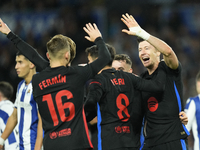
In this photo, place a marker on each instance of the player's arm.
(27, 50)
(94, 35)
(169, 56)
(10, 125)
(39, 139)
(153, 85)
(93, 121)
(94, 96)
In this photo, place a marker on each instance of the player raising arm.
(163, 128)
(59, 89)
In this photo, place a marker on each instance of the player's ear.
(130, 70)
(47, 54)
(67, 55)
(32, 65)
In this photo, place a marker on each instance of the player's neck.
(105, 68)
(2, 99)
(28, 78)
(58, 63)
(152, 68)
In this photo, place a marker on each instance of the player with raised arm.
(163, 128)
(115, 97)
(28, 51)
(59, 90)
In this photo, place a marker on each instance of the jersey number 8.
(122, 108)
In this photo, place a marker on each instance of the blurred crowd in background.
(177, 22)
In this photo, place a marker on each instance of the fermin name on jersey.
(52, 81)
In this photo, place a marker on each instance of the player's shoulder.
(107, 74)
(37, 75)
(144, 74)
(102, 77)
(195, 98)
(20, 83)
(98, 78)
(6, 105)
(48, 71)
(162, 65)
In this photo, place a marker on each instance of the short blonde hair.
(60, 44)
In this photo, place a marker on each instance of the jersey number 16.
(60, 106)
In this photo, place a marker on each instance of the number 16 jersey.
(59, 93)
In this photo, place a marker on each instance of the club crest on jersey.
(53, 135)
(152, 104)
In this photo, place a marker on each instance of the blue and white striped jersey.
(6, 109)
(27, 113)
(192, 110)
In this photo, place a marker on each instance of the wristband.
(1, 141)
(140, 32)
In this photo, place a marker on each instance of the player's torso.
(162, 109)
(6, 109)
(59, 94)
(196, 121)
(27, 116)
(119, 106)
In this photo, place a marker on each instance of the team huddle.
(102, 105)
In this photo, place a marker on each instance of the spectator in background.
(6, 109)
(192, 110)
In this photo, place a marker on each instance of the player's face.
(22, 66)
(148, 54)
(121, 65)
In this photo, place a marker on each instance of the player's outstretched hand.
(92, 31)
(4, 28)
(183, 117)
(130, 22)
